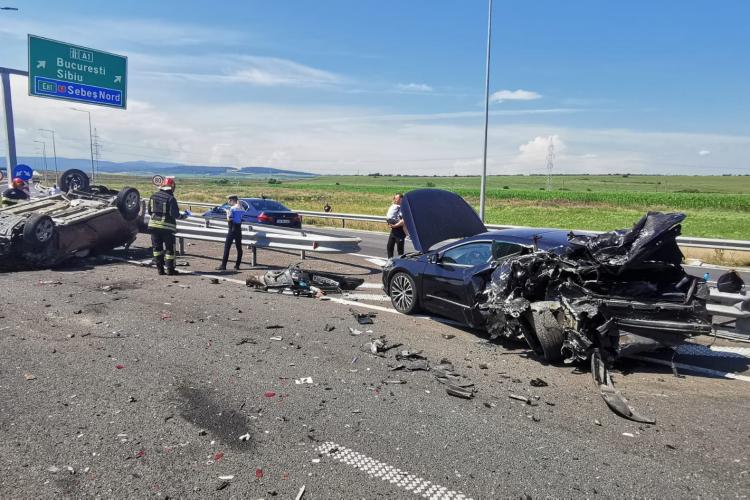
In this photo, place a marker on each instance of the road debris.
(29, 376)
(519, 398)
(269, 394)
(303, 282)
(277, 339)
(226, 478)
(246, 340)
(222, 485)
(363, 318)
(448, 336)
(274, 327)
(301, 493)
(329, 328)
(245, 437)
(538, 382)
(459, 392)
(304, 380)
(354, 331)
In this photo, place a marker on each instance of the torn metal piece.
(612, 396)
(363, 318)
(459, 392)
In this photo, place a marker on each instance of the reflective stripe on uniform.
(170, 256)
(158, 254)
(160, 224)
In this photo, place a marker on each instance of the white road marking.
(378, 262)
(384, 472)
(693, 368)
(367, 296)
(371, 285)
(745, 352)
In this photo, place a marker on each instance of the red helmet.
(18, 182)
(168, 184)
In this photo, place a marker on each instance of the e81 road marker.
(60, 70)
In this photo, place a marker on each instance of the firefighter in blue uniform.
(164, 212)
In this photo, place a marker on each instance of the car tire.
(128, 202)
(73, 179)
(549, 333)
(403, 292)
(39, 231)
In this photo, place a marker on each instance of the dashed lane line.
(397, 477)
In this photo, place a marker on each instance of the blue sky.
(397, 86)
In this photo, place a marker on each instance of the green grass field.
(717, 206)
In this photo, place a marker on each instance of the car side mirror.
(434, 258)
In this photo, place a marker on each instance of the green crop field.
(717, 206)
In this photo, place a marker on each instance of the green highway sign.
(60, 70)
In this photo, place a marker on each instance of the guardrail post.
(302, 254)
(181, 243)
(207, 223)
(253, 256)
(343, 222)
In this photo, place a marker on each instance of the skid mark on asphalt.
(397, 477)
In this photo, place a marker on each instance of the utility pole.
(97, 149)
(550, 161)
(483, 188)
(44, 155)
(54, 150)
(91, 141)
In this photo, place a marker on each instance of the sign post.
(60, 70)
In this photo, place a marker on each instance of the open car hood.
(435, 215)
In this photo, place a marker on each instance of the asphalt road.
(115, 382)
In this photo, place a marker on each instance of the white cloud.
(514, 95)
(704, 152)
(414, 87)
(535, 151)
(252, 70)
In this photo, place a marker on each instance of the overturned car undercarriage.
(599, 298)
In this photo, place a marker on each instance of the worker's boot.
(159, 260)
(171, 271)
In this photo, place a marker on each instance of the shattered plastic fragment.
(304, 380)
(459, 392)
(537, 382)
(119, 366)
(258, 473)
(269, 394)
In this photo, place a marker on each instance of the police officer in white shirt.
(234, 232)
(396, 223)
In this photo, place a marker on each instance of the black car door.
(444, 281)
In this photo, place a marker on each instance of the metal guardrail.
(685, 241)
(272, 238)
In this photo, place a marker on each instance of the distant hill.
(153, 168)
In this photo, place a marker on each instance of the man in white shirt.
(396, 223)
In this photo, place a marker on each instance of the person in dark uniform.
(15, 193)
(234, 233)
(164, 212)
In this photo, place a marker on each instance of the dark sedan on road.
(567, 295)
(260, 211)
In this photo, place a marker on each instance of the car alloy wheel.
(44, 230)
(403, 293)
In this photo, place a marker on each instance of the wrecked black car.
(570, 296)
(47, 231)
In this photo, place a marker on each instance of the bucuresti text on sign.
(61, 70)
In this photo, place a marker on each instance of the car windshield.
(268, 205)
(471, 254)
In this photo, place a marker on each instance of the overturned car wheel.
(38, 231)
(129, 203)
(549, 335)
(403, 292)
(74, 179)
